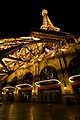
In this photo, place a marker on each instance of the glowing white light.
(20, 85)
(18, 88)
(46, 49)
(8, 87)
(65, 88)
(1, 42)
(32, 91)
(72, 77)
(43, 81)
(39, 59)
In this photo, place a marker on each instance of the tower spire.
(47, 24)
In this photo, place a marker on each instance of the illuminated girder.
(47, 24)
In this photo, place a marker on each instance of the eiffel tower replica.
(47, 24)
(48, 31)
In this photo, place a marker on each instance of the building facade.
(43, 67)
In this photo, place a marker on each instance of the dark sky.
(17, 18)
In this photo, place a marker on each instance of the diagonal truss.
(26, 50)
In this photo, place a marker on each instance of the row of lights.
(17, 86)
(37, 83)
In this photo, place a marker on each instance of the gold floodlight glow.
(1, 42)
(34, 38)
(50, 80)
(26, 37)
(70, 78)
(7, 59)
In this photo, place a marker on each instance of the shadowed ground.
(38, 111)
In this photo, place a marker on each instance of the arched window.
(74, 66)
(27, 78)
(48, 72)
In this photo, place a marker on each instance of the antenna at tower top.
(47, 24)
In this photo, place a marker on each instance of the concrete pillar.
(4, 95)
(67, 92)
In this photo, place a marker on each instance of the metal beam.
(18, 59)
(11, 50)
(4, 65)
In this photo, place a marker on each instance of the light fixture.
(72, 77)
(65, 87)
(43, 81)
(21, 85)
(8, 87)
(39, 59)
(32, 91)
(14, 92)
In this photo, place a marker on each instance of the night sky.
(18, 18)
